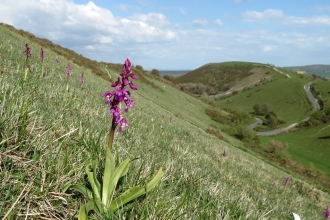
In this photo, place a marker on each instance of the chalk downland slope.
(48, 136)
(227, 77)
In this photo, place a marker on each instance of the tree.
(256, 109)
(139, 67)
(155, 72)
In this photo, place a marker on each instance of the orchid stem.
(112, 134)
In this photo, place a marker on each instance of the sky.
(180, 34)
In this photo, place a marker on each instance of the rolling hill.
(48, 134)
(224, 78)
(317, 69)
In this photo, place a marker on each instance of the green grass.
(285, 96)
(309, 147)
(49, 135)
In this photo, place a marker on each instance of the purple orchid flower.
(286, 181)
(27, 51)
(42, 54)
(82, 78)
(68, 70)
(119, 95)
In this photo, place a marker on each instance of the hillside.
(49, 134)
(286, 98)
(173, 72)
(317, 69)
(224, 78)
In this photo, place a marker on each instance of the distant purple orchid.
(68, 70)
(28, 54)
(171, 119)
(82, 78)
(57, 61)
(27, 51)
(326, 213)
(224, 154)
(118, 95)
(67, 74)
(286, 181)
(42, 54)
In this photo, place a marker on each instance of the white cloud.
(262, 17)
(90, 47)
(183, 11)
(154, 19)
(200, 22)
(60, 19)
(321, 8)
(104, 39)
(218, 22)
(268, 48)
(277, 17)
(317, 20)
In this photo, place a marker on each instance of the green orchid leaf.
(115, 177)
(108, 171)
(136, 191)
(90, 205)
(96, 186)
(66, 187)
(97, 183)
(125, 171)
(80, 188)
(82, 213)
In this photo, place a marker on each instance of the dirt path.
(311, 98)
(282, 72)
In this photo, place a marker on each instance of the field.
(49, 134)
(310, 147)
(285, 96)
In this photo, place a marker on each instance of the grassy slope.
(48, 136)
(285, 96)
(310, 147)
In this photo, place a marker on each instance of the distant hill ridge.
(317, 69)
(222, 77)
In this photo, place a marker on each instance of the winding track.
(311, 98)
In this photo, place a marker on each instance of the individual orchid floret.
(326, 213)
(286, 181)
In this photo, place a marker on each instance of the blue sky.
(181, 34)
